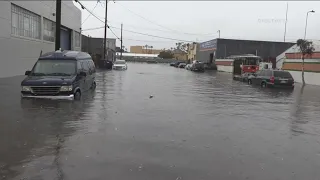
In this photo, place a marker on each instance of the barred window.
(77, 39)
(48, 30)
(25, 23)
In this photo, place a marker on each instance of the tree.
(306, 48)
(166, 55)
(182, 46)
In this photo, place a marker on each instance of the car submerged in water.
(60, 75)
(120, 65)
(272, 78)
(197, 66)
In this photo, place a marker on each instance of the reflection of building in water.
(290, 60)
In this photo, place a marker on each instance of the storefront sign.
(208, 45)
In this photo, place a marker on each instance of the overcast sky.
(200, 21)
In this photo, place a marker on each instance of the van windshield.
(54, 68)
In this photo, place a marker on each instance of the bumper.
(69, 97)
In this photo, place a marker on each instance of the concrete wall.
(19, 54)
(309, 77)
(223, 68)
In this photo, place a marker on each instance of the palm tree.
(306, 48)
(146, 46)
(151, 48)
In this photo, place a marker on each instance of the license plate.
(283, 81)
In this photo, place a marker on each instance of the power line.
(89, 13)
(152, 22)
(145, 34)
(83, 7)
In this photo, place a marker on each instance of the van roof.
(65, 55)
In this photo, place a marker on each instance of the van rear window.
(282, 74)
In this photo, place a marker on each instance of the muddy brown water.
(196, 126)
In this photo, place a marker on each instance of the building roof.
(252, 40)
(64, 55)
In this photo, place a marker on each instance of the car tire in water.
(249, 81)
(77, 95)
(263, 85)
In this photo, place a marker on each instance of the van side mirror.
(27, 73)
(84, 74)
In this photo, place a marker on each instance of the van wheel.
(77, 95)
(263, 85)
(249, 81)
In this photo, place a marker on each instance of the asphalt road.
(197, 126)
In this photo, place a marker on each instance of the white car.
(188, 66)
(120, 65)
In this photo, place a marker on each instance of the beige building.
(192, 52)
(144, 50)
(180, 55)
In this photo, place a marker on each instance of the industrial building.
(221, 48)
(27, 28)
(94, 46)
(144, 50)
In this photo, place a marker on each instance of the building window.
(25, 23)
(48, 30)
(77, 39)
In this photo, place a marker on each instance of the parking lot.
(157, 122)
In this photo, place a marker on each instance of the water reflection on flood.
(196, 126)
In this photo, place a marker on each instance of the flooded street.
(197, 126)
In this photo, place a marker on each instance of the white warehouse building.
(27, 28)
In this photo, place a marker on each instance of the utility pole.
(285, 25)
(105, 32)
(219, 33)
(58, 24)
(121, 42)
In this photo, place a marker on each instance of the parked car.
(182, 65)
(272, 78)
(60, 75)
(188, 66)
(197, 66)
(177, 63)
(120, 65)
(172, 63)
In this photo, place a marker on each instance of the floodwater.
(196, 126)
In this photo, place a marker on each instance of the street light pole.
(285, 25)
(121, 42)
(305, 29)
(105, 31)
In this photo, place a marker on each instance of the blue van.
(60, 75)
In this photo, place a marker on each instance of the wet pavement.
(197, 126)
